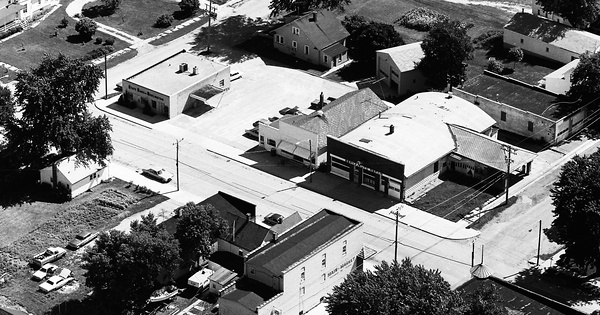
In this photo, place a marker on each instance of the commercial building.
(546, 39)
(299, 137)
(177, 83)
(522, 108)
(407, 147)
(317, 37)
(397, 67)
(295, 270)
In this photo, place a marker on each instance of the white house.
(292, 273)
(547, 39)
(12, 12)
(559, 81)
(396, 66)
(76, 178)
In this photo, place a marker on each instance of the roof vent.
(195, 70)
(391, 129)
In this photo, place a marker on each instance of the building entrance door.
(356, 175)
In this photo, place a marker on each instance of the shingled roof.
(341, 115)
(323, 32)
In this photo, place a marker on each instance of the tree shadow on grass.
(559, 286)
(89, 305)
(78, 39)
(21, 186)
(227, 36)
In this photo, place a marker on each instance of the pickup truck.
(51, 254)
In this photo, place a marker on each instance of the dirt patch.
(36, 226)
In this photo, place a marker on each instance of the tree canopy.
(366, 37)
(580, 13)
(54, 97)
(111, 5)
(395, 289)
(86, 27)
(576, 211)
(585, 79)
(189, 6)
(198, 229)
(485, 300)
(282, 6)
(125, 268)
(446, 47)
(7, 107)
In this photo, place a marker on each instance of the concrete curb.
(110, 112)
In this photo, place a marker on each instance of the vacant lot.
(31, 228)
(27, 49)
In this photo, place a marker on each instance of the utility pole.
(310, 157)
(473, 255)
(210, 13)
(508, 150)
(397, 212)
(177, 160)
(105, 79)
(539, 244)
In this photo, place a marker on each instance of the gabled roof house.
(76, 178)
(317, 37)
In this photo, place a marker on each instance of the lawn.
(137, 17)
(31, 228)
(454, 198)
(27, 49)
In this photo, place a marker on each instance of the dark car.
(81, 239)
(273, 218)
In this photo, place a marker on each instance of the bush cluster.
(495, 66)
(98, 52)
(11, 31)
(109, 41)
(164, 21)
(421, 19)
(489, 39)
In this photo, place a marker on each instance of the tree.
(7, 107)
(585, 79)
(396, 289)
(446, 47)
(485, 300)
(86, 27)
(198, 229)
(125, 268)
(54, 97)
(516, 55)
(580, 13)
(495, 66)
(111, 5)
(576, 211)
(366, 37)
(164, 21)
(281, 6)
(189, 6)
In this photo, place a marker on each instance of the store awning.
(286, 146)
(302, 152)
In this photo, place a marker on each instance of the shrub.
(64, 22)
(98, 40)
(421, 19)
(86, 27)
(98, 52)
(489, 39)
(11, 31)
(109, 41)
(515, 54)
(495, 66)
(164, 21)
(189, 6)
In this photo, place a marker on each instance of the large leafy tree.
(189, 6)
(485, 300)
(7, 107)
(585, 79)
(86, 27)
(125, 268)
(580, 13)
(395, 289)
(54, 97)
(366, 37)
(198, 229)
(576, 201)
(111, 5)
(446, 47)
(281, 6)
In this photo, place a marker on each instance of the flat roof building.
(175, 84)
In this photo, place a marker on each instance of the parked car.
(159, 174)
(46, 270)
(51, 254)
(81, 239)
(274, 218)
(54, 283)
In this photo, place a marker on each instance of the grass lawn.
(27, 49)
(180, 32)
(454, 198)
(137, 17)
(32, 227)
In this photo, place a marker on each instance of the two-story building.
(295, 270)
(177, 83)
(304, 137)
(317, 37)
(397, 67)
(14, 12)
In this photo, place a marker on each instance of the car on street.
(159, 174)
(82, 239)
(273, 218)
(55, 282)
(46, 270)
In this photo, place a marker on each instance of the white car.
(159, 174)
(54, 283)
(46, 270)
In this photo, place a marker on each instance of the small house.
(75, 177)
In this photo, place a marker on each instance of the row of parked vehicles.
(54, 276)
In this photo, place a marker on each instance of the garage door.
(394, 189)
(340, 168)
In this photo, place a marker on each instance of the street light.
(310, 157)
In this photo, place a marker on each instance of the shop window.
(271, 142)
(503, 116)
(530, 125)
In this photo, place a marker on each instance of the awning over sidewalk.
(286, 146)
